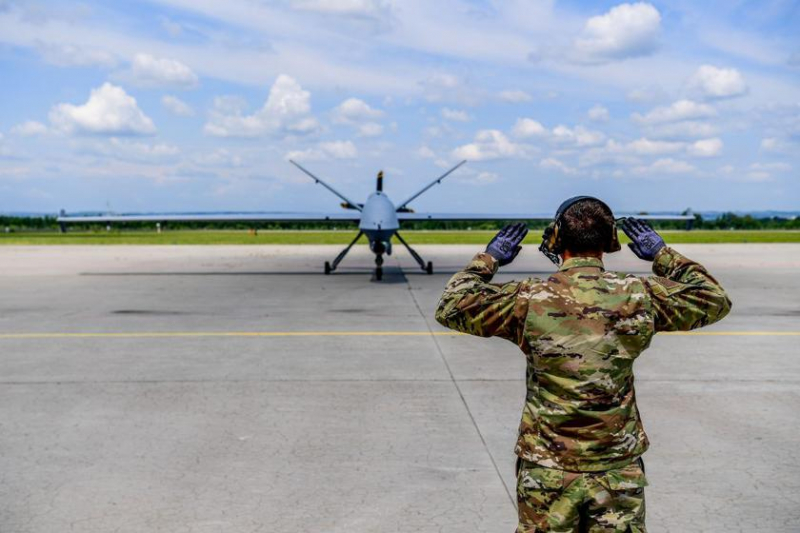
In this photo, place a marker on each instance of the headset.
(551, 242)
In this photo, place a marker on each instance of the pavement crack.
(455, 382)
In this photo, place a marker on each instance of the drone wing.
(403, 206)
(517, 216)
(470, 216)
(211, 217)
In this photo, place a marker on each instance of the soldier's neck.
(569, 255)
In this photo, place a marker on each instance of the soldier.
(580, 442)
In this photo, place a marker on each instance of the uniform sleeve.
(684, 295)
(470, 304)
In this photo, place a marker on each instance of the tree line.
(726, 221)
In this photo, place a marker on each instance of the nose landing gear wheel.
(429, 268)
(327, 268)
(378, 267)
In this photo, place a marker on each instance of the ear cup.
(555, 241)
(613, 243)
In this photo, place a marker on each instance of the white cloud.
(682, 130)
(486, 177)
(358, 8)
(469, 175)
(287, 110)
(142, 152)
(764, 171)
(758, 175)
(442, 80)
(326, 150)
(666, 166)
(68, 55)
(647, 94)
(149, 71)
(775, 145)
(354, 110)
(425, 152)
(359, 114)
(714, 82)
(176, 106)
(551, 163)
(772, 167)
(489, 144)
(706, 147)
(678, 111)
(456, 115)
(645, 146)
(220, 157)
(673, 166)
(17, 172)
(628, 153)
(527, 127)
(631, 153)
(599, 113)
(370, 129)
(128, 150)
(627, 30)
(580, 136)
(514, 96)
(29, 128)
(444, 87)
(109, 110)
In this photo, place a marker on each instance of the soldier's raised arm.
(471, 304)
(684, 295)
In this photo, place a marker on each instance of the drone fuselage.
(379, 222)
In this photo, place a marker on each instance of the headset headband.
(569, 202)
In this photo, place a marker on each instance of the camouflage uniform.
(549, 499)
(581, 330)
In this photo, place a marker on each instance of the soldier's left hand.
(505, 246)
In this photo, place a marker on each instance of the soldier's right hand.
(506, 244)
(645, 241)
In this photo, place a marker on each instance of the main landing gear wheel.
(429, 268)
(327, 268)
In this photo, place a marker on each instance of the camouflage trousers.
(594, 502)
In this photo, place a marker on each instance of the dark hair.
(587, 226)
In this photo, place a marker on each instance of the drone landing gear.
(427, 267)
(378, 267)
(331, 267)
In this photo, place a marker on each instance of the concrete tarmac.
(200, 389)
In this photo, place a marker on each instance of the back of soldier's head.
(587, 227)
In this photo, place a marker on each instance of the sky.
(197, 105)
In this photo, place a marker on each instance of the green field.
(344, 237)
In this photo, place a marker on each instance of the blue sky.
(196, 105)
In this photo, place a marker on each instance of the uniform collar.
(577, 262)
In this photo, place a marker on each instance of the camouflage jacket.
(581, 330)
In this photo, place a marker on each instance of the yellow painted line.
(733, 333)
(161, 334)
(178, 334)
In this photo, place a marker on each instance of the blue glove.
(646, 242)
(505, 246)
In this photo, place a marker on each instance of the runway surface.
(237, 389)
